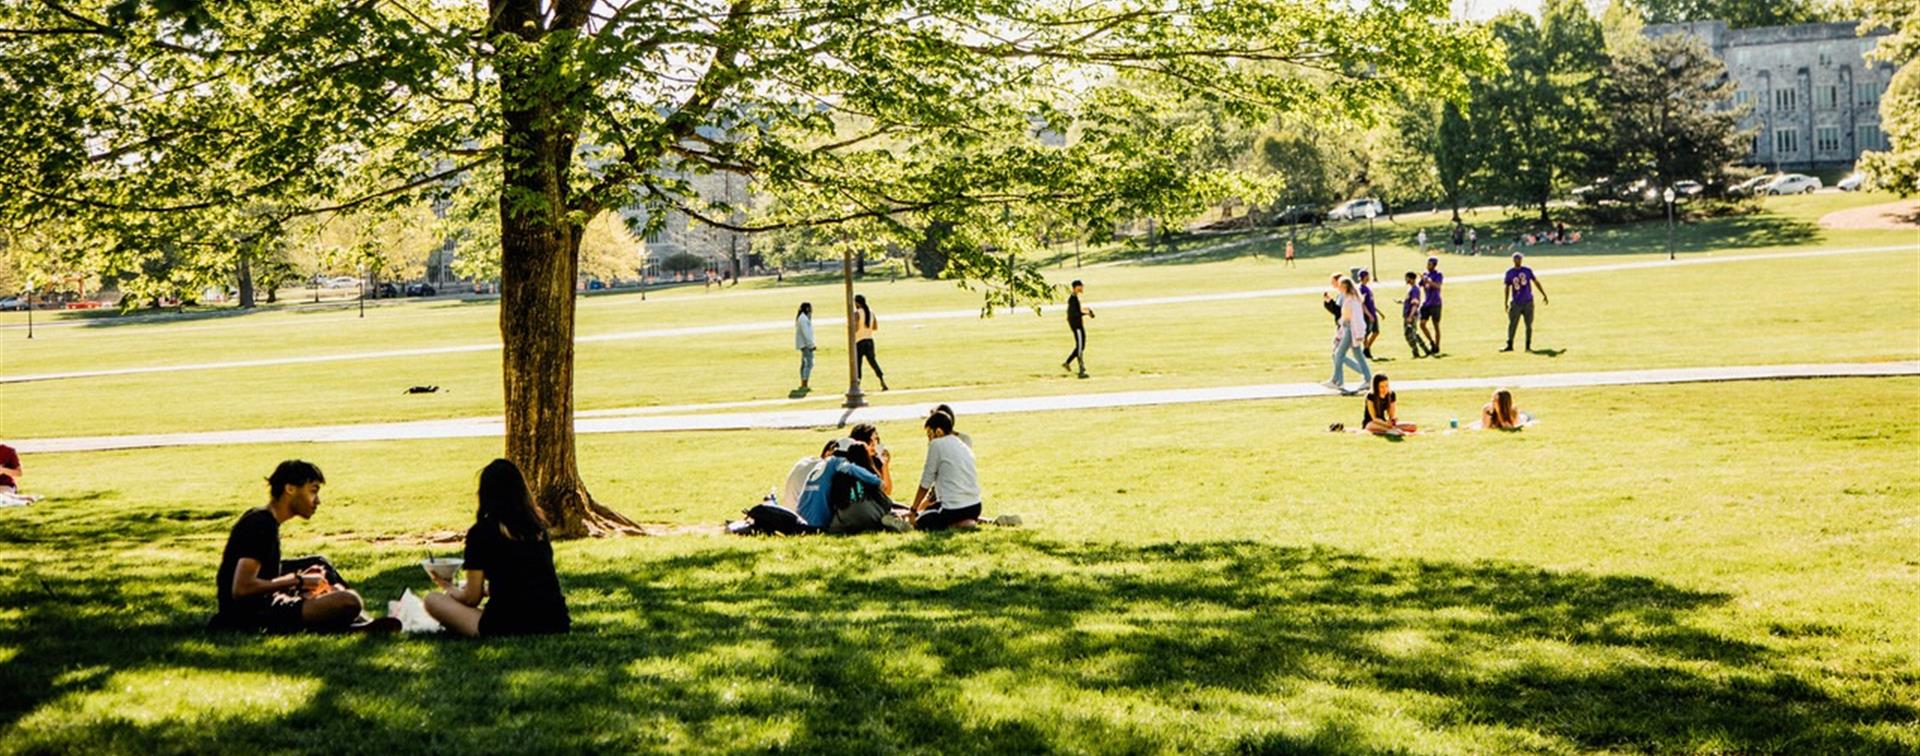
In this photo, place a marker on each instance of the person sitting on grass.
(882, 458)
(258, 591)
(802, 470)
(858, 506)
(10, 478)
(1382, 414)
(1499, 414)
(949, 494)
(817, 500)
(948, 411)
(509, 562)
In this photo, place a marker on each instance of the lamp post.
(363, 291)
(855, 398)
(1668, 196)
(1373, 256)
(31, 286)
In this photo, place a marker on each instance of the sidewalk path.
(970, 313)
(825, 418)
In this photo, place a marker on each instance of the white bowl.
(442, 567)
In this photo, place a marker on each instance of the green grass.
(1636, 574)
(1736, 313)
(1696, 568)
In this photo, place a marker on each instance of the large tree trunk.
(539, 262)
(246, 283)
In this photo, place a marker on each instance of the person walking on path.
(1349, 330)
(803, 341)
(1459, 237)
(1430, 302)
(1289, 253)
(1473, 242)
(864, 326)
(1423, 241)
(1520, 284)
(1074, 323)
(1371, 313)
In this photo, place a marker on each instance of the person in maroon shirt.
(9, 469)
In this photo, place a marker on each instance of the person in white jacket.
(1349, 330)
(803, 341)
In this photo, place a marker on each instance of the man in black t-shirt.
(1074, 323)
(259, 591)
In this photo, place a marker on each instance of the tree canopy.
(197, 127)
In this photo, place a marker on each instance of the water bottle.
(773, 497)
(1454, 423)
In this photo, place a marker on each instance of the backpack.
(767, 519)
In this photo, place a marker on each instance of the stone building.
(681, 233)
(1814, 99)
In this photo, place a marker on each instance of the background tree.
(1664, 102)
(144, 115)
(1741, 14)
(609, 252)
(1897, 168)
(1538, 121)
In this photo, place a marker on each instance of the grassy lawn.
(1755, 312)
(1697, 568)
(1637, 573)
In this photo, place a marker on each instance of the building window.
(1867, 137)
(1786, 141)
(1866, 93)
(1783, 100)
(1756, 144)
(1826, 139)
(1826, 59)
(1740, 97)
(1830, 96)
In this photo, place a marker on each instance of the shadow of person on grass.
(967, 643)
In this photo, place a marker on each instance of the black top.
(1377, 407)
(1073, 311)
(255, 536)
(525, 592)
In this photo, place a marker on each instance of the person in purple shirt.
(1410, 317)
(1520, 285)
(1372, 313)
(1430, 305)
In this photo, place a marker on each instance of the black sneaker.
(1510, 348)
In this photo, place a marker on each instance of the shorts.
(1430, 312)
(941, 519)
(1373, 326)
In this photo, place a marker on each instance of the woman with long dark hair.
(508, 558)
(803, 340)
(864, 324)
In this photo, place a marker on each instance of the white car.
(1791, 183)
(1357, 209)
(1854, 182)
(341, 282)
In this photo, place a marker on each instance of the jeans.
(806, 364)
(1079, 349)
(1346, 352)
(1515, 312)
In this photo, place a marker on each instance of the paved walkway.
(824, 418)
(774, 326)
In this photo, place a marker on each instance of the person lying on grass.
(258, 591)
(1499, 414)
(1383, 416)
(508, 561)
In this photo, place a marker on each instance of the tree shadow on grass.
(985, 642)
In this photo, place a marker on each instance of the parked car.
(1600, 190)
(386, 289)
(1357, 209)
(11, 304)
(1751, 186)
(1854, 182)
(1791, 183)
(1689, 188)
(340, 282)
(419, 290)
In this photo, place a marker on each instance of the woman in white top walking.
(803, 341)
(1349, 330)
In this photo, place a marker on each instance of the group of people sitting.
(1382, 412)
(508, 564)
(1554, 234)
(848, 488)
